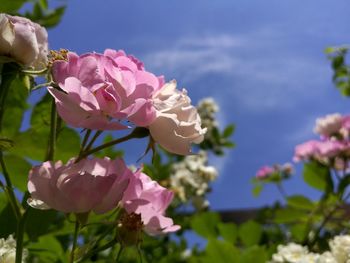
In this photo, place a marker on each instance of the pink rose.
(150, 200)
(306, 151)
(100, 90)
(264, 172)
(23, 40)
(89, 185)
(177, 122)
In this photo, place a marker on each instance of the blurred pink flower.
(177, 124)
(89, 185)
(328, 125)
(24, 41)
(100, 90)
(150, 200)
(306, 150)
(264, 172)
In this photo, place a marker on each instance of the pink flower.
(100, 90)
(306, 150)
(177, 124)
(264, 172)
(89, 185)
(150, 200)
(23, 40)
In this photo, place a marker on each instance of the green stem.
(88, 147)
(53, 133)
(75, 240)
(281, 190)
(20, 236)
(106, 145)
(119, 253)
(95, 251)
(8, 74)
(9, 189)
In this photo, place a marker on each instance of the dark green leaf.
(289, 215)
(301, 202)
(254, 254)
(11, 6)
(229, 130)
(47, 249)
(204, 224)
(219, 251)
(228, 231)
(250, 233)
(299, 232)
(7, 217)
(318, 176)
(5, 144)
(18, 168)
(68, 144)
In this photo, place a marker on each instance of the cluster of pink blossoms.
(109, 91)
(274, 172)
(333, 147)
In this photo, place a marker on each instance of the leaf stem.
(9, 188)
(20, 235)
(53, 133)
(75, 240)
(119, 253)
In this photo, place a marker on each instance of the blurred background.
(262, 61)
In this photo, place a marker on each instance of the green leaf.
(41, 115)
(219, 251)
(18, 168)
(250, 233)
(47, 249)
(257, 189)
(318, 176)
(229, 130)
(30, 144)
(228, 231)
(15, 103)
(299, 232)
(68, 144)
(301, 202)
(42, 222)
(6, 144)
(11, 6)
(7, 217)
(254, 254)
(289, 215)
(204, 224)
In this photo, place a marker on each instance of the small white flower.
(8, 250)
(328, 124)
(340, 248)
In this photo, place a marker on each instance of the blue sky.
(262, 61)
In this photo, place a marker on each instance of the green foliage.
(228, 231)
(250, 233)
(318, 176)
(300, 202)
(254, 254)
(48, 249)
(205, 224)
(11, 6)
(341, 69)
(18, 168)
(221, 252)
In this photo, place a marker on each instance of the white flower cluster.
(207, 108)
(8, 250)
(329, 124)
(190, 179)
(294, 253)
